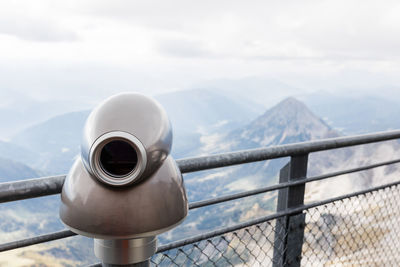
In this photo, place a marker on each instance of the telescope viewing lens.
(118, 158)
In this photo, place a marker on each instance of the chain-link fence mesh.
(251, 246)
(359, 231)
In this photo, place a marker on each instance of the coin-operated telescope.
(125, 188)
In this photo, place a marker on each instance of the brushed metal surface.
(125, 251)
(136, 114)
(153, 206)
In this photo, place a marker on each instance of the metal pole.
(289, 230)
(125, 252)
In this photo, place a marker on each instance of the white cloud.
(48, 47)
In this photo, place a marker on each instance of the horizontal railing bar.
(203, 203)
(24, 189)
(36, 240)
(270, 217)
(208, 202)
(67, 233)
(260, 154)
(11, 191)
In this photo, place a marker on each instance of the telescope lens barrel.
(118, 158)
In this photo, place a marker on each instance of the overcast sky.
(91, 49)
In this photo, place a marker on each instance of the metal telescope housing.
(124, 188)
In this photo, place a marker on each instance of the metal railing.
(281, 238)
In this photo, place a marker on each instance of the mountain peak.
(289, 121)
(291, 101)
(288, 112)
(288, 109)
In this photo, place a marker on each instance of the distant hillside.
(18, 153)
(56, 141)
(22, 111)
(13, 171)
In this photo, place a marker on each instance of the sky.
(88, 50)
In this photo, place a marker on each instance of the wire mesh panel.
(251, 246)
(360, 231)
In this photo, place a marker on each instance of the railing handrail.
(30, 188)
(67, 233)
(11, 191)
(194, 164)
(221, 199)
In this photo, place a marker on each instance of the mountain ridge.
(296, 120)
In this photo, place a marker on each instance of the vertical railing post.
(289, 230)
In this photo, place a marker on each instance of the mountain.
(288, 122)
